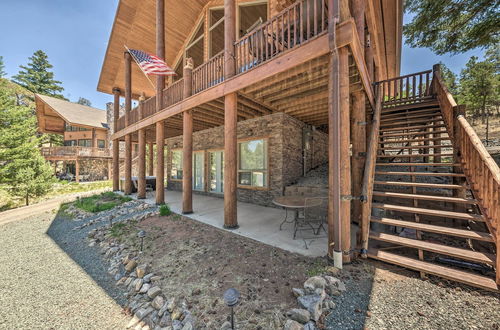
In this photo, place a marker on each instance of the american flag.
(151, 64)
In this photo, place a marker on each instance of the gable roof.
(71, 113)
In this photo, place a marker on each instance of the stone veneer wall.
(285, 156)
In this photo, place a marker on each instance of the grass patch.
(317, 269)
(118, 229)
(165, 210)
(102, 202)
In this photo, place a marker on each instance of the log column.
(151, 159)
(128, 137)
(116, 142)
(187, 144)
(358, 123)
(160, 85)
(77, 171)
(230, 120)
(141, 178)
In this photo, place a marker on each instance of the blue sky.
(74, 34)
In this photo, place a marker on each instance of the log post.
(77, 171)
(128, 137)
(160, 85)
(458, 110)
(141, 177)
(187, 144)
(151, 159)
(334, 220)
(230, 120)
(116, 142)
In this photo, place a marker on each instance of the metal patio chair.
(315, 216)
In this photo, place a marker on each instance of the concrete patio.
(256, 222)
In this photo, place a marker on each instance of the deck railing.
(293, 26)
(69, 151)
(173, 94)
(482, 172)
(209, 74)
(412, 88)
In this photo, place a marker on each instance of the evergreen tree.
(2, 68)
(23, 169)
(449, 78)
(84, 101)
(453, 26)
(37, 77)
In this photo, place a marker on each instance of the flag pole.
(135, 60)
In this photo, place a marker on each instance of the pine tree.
(452, 26)
(449, 78)
(2, 68)
(37, 77)
(84, 101)
(24, 170)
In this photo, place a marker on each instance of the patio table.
(294, 203)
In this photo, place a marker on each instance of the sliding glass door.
(216, 166)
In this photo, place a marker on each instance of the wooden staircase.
(424, 208)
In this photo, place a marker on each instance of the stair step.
(402, 122)
(475, 280)
(420, 173)
(476, 235)
(436, 213)
(425, 197)
(475, 256)
(419, 184)
(407, 128)
(418, 164)
(415, 140)
(424, 112)
(414, 155)
(410, 106)
(443, 146)
(412, 133)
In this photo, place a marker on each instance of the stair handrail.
(481, 171)
(369, 172)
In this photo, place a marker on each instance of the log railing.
(69, 151)
(369, 173)
(209, 74)
(481, 171)
(412, 88)
(173, 94)
(293, 26)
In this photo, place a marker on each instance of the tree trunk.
(27, 199)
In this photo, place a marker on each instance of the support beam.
(77, 171)
(151, 159)
(160, 85)
(230, 162)
(116, 143)
(334, 220)
(128, 137)
(141, 178)
(229, 37)
(187, 144)
(345, 159)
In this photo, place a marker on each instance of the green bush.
(165, 210)
(102, 202)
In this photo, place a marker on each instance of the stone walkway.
(42, 286)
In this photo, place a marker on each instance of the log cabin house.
(268, 89)
(86, 152)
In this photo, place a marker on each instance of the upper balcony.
(69, 152)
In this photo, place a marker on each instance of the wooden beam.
(141, 180)
(230, 162)
(151, 159)
(116, 143)
(160, 85)
(77, 171)
(187, 145)
(160, 162)
(128, 137)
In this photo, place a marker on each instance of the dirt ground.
(199, 262)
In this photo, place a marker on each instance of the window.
(250, 15)
(70, 128)
(216, 167)
(252, 169)
(101, 144)
(198, 171)
(176, 170)
(85, 143)
(195, 49)
(70, 143)
(216, 31)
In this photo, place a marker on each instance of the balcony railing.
(415, 87)
(297, 24)
(68, 151)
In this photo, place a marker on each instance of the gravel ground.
(381, 296)
(52, 280)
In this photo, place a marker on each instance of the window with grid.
(252, 169)
(176, 170)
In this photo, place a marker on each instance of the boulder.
(153, 292)
(145, 287)
(130, 265)
(138, 284)
(292, 325)
(297, 292)
(334, 286)
(313, 304)
(158, 302)
(300, 315)
(141, 270)
(314, 285)
(310, 326)
(143, 312)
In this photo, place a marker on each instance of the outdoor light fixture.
(141, 235)
(111, 217)
(232, 298)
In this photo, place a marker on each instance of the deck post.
(334, 220)
(141, 177)
(151, 159)
(230, 120)
(358, 123)
(187, 144)
(160, 85)
(128, 137)
(116, 142)
(77, 171)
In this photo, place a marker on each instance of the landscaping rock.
(225, 326)
(334, 286)
(138, 284)
(141, 270)
(300, 315)
(176, 325)
(165, 320)
(313, 304)
(143, 312)
(130, 265)
(176, 314)
(292, 325)
(297, 292)
(145, 288)
(314, 285)
(147, 278)
(310, 326)
(158, 302)
(153, 292)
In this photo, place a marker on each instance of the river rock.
(153, 292)
(313, 304)
(300, 315)
(292, 325)
(141, 270)
(314, 285)
(158, 302)
(130, 265)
